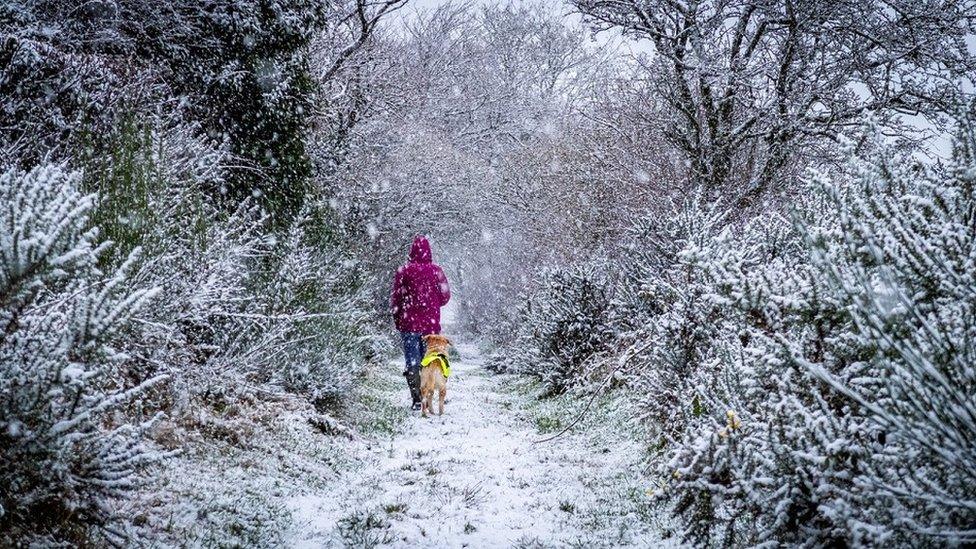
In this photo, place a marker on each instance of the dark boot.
(413, 382)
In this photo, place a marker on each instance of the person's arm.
(444, 286)
(396, 295)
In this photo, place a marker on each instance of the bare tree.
(348, 64)
(752, 85)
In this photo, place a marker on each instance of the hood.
(420, 251)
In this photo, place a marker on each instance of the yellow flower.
(733, 420)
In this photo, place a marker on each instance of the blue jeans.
(413, 350)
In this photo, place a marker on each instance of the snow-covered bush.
(845, 414)
(244, 310)
(244, 304)
(665, 317)
(650, 264)
(761, 458)
(50, 92)
(64, 453)
(563, 325)
(908, 235)
(319, 288)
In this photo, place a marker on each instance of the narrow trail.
(474, 478)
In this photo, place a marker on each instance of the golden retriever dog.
(432, 376)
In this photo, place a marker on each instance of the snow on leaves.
(852, 369)
(60, 315)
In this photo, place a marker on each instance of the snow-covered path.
(474, 478)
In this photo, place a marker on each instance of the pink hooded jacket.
(420, 289)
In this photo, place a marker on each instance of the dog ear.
(425, 338)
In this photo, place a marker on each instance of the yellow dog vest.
(445, 366)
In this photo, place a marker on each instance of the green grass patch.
(373, 411)
(365, 529)
(546, 424)
(397, 508)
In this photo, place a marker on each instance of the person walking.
(420, 289)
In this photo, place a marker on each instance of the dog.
(432, 373)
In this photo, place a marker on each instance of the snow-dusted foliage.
(564, 325)
(663, 298)
(190, 122)
(51, 81)
(64, 454)
(908, 235)
(321, 287)
(238, 70)
(242, 306)
(844, 412)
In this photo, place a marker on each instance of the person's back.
(420, 289)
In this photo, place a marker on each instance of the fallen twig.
(623, 362)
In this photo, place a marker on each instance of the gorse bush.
(805, 381)
(319, 284)
(846, 412)
(762, 427)
(908, 235)
(62, 457)
(564, 325)
(243, 306)
(662, 299)
(650, 259)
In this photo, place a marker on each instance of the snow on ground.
(238, 464)
(474, 478)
